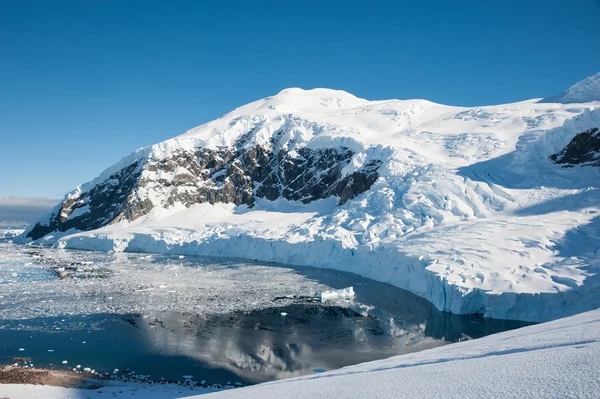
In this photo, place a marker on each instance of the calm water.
(219, 321)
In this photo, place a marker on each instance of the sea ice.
(337, 295)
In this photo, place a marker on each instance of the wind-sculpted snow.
(462, 206)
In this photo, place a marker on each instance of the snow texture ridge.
(462, 206)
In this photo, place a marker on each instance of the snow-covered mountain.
(489, 210)
(584, 91)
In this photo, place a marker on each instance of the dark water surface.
(287, 335)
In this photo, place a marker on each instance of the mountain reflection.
(297, 339)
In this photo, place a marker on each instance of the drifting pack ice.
(490, 210)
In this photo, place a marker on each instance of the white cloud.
(28, 202)
(21, 211)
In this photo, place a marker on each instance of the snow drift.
(465, 207)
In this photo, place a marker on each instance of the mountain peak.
(315, 92)
(317, 98)
(584, 91)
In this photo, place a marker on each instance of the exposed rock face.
(235, 175)
(584, 149)
(107, 202)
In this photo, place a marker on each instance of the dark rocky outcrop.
(583, 149)
(109, 201)
(235, 175)
(241, 176)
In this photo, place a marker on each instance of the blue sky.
(83, 83)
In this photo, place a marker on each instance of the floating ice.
(138, 285)
(336, 295)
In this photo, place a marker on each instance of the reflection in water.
(249, 347)
(297, 339)
(234, 321)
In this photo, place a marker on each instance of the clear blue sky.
(83, 83)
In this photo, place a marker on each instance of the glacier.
(460, 205)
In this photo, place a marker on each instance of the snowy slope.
(557, 359)
(113, 390)
(462, 206)
(584, 91)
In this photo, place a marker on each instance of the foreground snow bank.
(558, 359)
(112, 390)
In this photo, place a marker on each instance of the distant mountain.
(584, 91)
(467, 207)
(19, 212)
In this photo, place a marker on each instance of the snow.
(583, 91)
(557, 359)
(79, 211)
(468, 211)
(113, 390)
(10, 233)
